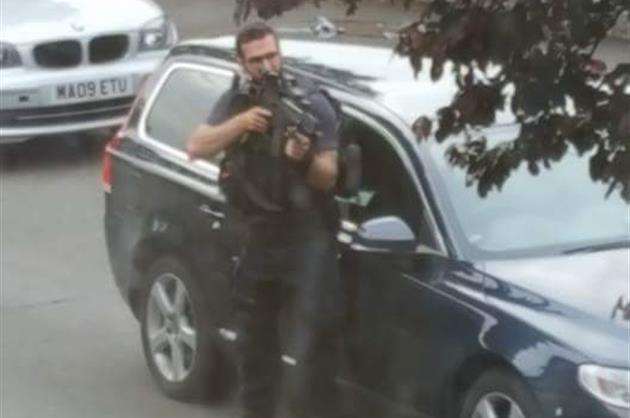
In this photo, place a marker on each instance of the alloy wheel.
(170, 328)
(497, 405)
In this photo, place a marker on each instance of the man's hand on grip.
(297, 145)
(256, 119)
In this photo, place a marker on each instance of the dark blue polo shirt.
(259, 165)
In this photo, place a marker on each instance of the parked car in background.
(75, 65)
(510, 306)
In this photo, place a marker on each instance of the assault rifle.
(290, 107)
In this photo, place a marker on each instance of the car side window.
(386, 186)
(183, 102)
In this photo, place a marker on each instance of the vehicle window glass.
(557, 209)
(386, 186)
(184, 101)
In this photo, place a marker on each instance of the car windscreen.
(555, 211)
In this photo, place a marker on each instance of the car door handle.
(209, 211)
(146, 154)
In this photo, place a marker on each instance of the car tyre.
(176, 334)
(499, 393)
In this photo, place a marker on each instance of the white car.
(75, 65)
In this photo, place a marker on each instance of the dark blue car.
(511, 306)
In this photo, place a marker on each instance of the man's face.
(260, 55)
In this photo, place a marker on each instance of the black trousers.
(296, 265)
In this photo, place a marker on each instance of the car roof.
(371, 71)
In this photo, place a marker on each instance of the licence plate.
(82, 91)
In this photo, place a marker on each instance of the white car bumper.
(39, 101)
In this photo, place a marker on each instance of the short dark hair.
(252, 32)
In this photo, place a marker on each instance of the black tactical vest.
(248, 169)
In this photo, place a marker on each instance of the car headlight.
(159, 33)
(611, 386)
(9, 56)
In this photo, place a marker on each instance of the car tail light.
(107, 173)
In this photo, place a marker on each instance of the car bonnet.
(39, 20)
(596, 283)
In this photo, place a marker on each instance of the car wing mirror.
(383, 234)
(389, 233)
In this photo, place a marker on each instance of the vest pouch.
(241, 187)
(229, 181)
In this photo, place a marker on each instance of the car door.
(400, 314)
(185, 193)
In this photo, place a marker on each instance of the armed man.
(280, 138)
